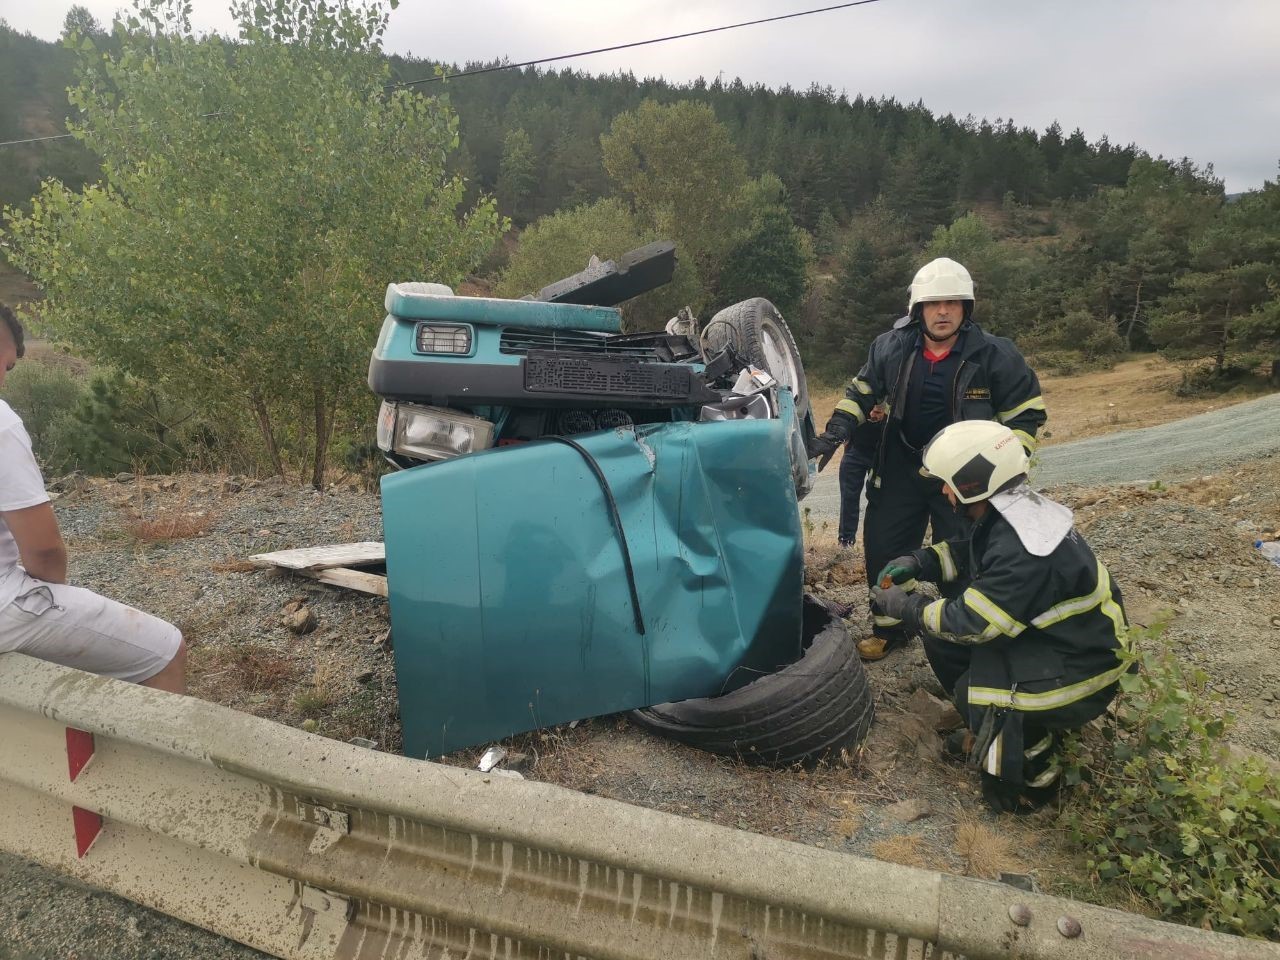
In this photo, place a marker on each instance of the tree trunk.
(1220, 358)
(1133, 317)
(268, 434)
(324, 414)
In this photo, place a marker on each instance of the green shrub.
(1164, 811)
(46, 393)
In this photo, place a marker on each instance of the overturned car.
(589, 521)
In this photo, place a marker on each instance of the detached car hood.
(511, 602)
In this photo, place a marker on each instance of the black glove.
(823, 447)
(836, 432)
(899, 570)
(897, 603)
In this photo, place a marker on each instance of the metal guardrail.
(311, 849)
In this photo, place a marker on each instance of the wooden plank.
(324, 558)
(351, 579)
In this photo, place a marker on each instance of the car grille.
(606, 377)
(520, 340)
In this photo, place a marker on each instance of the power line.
(64, 136)
(563, 56)
(636, 43)
(14, 143)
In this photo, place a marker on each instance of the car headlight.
(430, 433)
(449, 338)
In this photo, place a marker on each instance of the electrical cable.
(616, 517)
(64, 136)
(563, 56)
(635, 43)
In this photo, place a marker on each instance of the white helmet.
(975, 458)
(941, 279)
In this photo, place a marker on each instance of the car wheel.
(758, 333)
(817, 706)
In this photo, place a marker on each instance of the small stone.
(299, 621)
(1069, 927)
(124, 478)
(909, 811)
(362, 676)
(1271, 713)
(232, 486)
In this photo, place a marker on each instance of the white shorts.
(77, 628)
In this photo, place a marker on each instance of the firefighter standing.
(935, 367)
(1030, 647)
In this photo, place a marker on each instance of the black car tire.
(755, 328)
(817, 706)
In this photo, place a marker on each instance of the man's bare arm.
(35, 529)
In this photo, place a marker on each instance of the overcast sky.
(1197, 78)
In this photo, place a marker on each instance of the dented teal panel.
(510, 607)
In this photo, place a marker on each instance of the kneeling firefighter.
(1030, 647)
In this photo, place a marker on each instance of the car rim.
(778, 357)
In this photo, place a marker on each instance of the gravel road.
(1177, 450)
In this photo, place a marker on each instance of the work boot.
(958, 744)
(877, 648)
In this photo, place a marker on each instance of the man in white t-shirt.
(40, 614)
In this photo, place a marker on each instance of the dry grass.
(908, 849)
(849, 822)
(234, 565)
(986, 852)
(252, 667)
(166, 524)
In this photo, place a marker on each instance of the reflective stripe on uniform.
(1029, 443)
(931, 617)
(1050, 699)
(1035, 403)
(992, 760)
(946, 560)
(851, 408)
(861, 386)
(1039, 748)
(1046, 778)
(1100, 597)
(882, 621)
(983, 607)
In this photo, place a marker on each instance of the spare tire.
(819, 705)
(758, 333)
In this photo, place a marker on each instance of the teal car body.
(624, 531)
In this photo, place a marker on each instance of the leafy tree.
(1225, 306)
(771, 259)
(869, 293)
(826, 236)
(80, 23)
(679, 169)
(255, 199)
(517, 176)
(1000, 274)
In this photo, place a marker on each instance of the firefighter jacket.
(991, 382)
(1045, 634)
